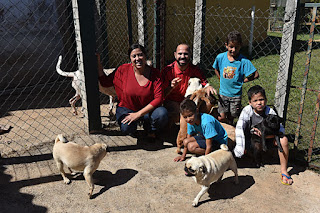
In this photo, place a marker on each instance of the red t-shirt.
(172, 71)
(130, 94)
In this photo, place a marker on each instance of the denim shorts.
(202, 143)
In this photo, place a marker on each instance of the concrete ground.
(138, 176)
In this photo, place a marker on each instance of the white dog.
(210, 168)
(194, 84)
(76, 84)
(80, 158)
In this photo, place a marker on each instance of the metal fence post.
(162, 33)
(128, 2)
(287, 50)
(156, 42)
(142, 32)
(199, 29)
(251, 30)
(83, 12)
(101, 23)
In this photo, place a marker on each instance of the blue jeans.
(152, 121)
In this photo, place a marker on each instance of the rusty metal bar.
(314, 128)
(313, 166)
(310, 90)
(305, 79)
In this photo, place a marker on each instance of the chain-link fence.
(35, 98)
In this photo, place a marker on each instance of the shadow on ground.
(227, 189)
(109, 180)
(12, 200)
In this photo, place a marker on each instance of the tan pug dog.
(210, 168)
(80, 158)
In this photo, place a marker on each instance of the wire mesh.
(34, 98)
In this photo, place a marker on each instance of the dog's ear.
(203, 169)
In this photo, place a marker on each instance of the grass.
(268, 69)
(300, 37)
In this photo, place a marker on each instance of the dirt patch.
(135, 176)
(140, 177)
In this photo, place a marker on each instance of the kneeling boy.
(205, 133)
(252, 115)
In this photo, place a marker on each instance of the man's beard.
(184, 63)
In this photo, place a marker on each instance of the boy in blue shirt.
(233, 69)
(205, 133)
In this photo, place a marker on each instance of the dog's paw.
(66, 181)
(195, 203)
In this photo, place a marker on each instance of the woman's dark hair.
(255, 90)
(234, 36)
(188, 105)
(137, 46)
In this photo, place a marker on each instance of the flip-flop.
(286, 176)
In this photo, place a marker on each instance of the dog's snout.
(189, 171)
(185, 169)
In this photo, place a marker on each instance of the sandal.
(287, 178)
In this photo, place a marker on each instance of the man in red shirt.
(175, 79)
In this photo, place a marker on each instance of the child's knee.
(191, 148)
(185, 142)
(284, 141)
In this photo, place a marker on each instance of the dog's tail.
(224, 147)
(63, 73)
(60, 138)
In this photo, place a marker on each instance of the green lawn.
(301, 37)
(268, 69)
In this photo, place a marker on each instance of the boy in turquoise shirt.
(205, 133)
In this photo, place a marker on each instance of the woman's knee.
(161, 113)
(160, 117)
(128, 129)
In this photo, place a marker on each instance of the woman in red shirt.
(140, 93)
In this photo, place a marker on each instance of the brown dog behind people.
(79, 158)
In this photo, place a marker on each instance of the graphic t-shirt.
(232, 74)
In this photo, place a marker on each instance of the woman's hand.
(131, 117)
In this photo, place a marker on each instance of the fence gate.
(310, 97)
